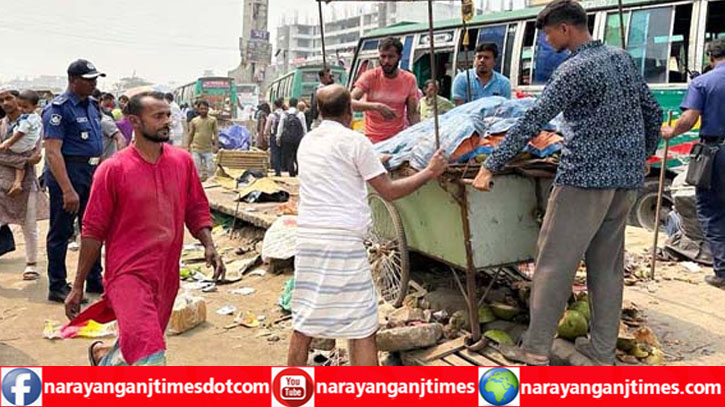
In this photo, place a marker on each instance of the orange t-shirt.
(394, 92)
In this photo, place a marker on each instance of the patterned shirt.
(611, 120)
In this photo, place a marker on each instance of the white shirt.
(31, 125)
(294, 112)
(335, 163)
(177, 129)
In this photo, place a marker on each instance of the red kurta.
(138, 210)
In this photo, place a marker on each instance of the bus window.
(369, 45)
(508, 53)
(612, 35)
(527, 54)
(715, 25)
(547, 59)
(677, 66)
(648, 42)
(496, 35)
(407, 48)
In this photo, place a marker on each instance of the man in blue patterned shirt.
(611, 126)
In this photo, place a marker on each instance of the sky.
(159, 40)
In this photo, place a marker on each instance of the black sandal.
(92, 359)
(518, 354)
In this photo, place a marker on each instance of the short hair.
(108, 96)
(265, 108)
(488, 46)
(428, 82)
(13, 92)
(716, 48)
(201, 103)
(335, 106)
(123, 97)
(29, 96)
(562, 11)
(135, 104)
(96, 94)
(322, 72)
(391, 42)
(169, 97)
(293, 102)
(279, 103)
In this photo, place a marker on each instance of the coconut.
(500, 337)
(583, 307)
(485, 315)
(656, 357)
(641, 350)
(504, 311)
(645, 335)
(572, 325)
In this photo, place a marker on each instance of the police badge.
(55, 119)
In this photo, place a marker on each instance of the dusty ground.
(684, 312)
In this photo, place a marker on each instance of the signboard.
(442, 39)
(259, 52)
(259, 35)
(214, 84)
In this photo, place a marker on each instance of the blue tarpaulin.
(490, 115)
(234, 137)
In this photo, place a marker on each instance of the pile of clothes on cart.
(470, 132)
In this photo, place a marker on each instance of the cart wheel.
(387, 251)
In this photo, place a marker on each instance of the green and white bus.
(301, 82)
(666, 39)
(219, 92)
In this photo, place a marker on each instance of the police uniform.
(77, 123)
(706, 93)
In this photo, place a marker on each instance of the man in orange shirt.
(391, 94)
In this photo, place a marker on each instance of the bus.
(219, 92)
(666, 39)
(301, 82)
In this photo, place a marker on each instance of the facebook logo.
(22, 386)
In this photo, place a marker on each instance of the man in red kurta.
(140, 200)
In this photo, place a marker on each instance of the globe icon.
(499, 386)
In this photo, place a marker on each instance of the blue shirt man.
(705, 100)
(73, 143)
(484, 80)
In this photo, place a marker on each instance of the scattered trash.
(247, 319)
(90, 329)
(273, 338)
(188, 312)
(243, 291)
(227, 310)
(692, 267)
(285, 300)
(209, 288)
(258, 272)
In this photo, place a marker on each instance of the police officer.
(73, 146)
(705, 99)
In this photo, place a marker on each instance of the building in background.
(255, 48)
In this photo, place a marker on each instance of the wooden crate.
(454, 353)
(248, 160)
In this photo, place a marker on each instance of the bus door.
(445, 46)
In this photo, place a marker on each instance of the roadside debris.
(188, 312)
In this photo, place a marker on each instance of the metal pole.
(466, 41)
(621, 23)
(660, 193)
(322, 35)
(433, 75)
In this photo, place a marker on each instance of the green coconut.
(625, 339)
(656, 357)
(500, 337)
(641, 350)
(504, 311)
(583, 307)
(572, 325)
(485, 314)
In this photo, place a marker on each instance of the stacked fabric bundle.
(469, 132)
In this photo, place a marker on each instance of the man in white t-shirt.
(334, 295)
(177, 128)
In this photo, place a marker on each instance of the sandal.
(92, 359)
(518, 354)
(30, 274)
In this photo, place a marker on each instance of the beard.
(389, 69)
(161, 135)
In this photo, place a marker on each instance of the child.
(26, 136)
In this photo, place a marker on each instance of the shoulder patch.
(55, 119)
(59, 100)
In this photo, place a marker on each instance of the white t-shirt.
(177, 129)
(335, 163)
(31, 125)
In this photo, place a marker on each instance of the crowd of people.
(114, 168)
